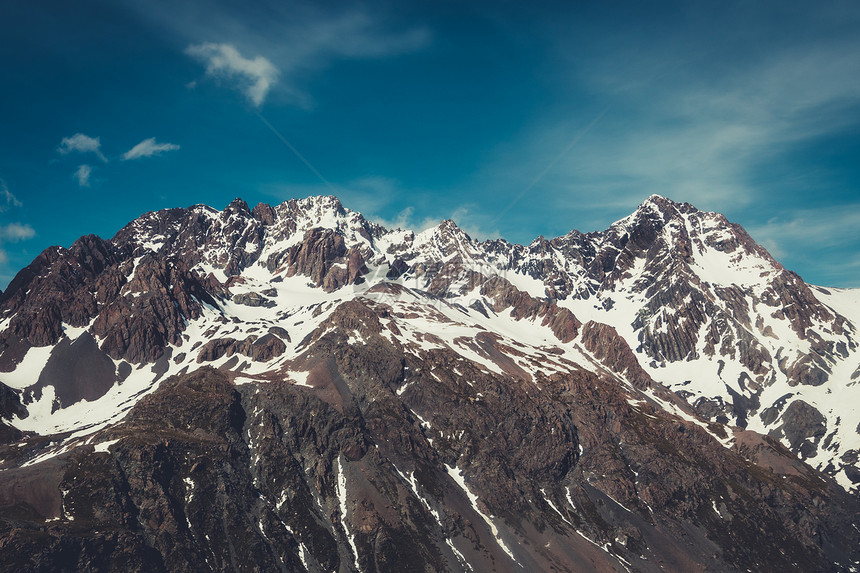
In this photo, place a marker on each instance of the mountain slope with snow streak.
(575, 403)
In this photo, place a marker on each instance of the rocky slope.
(297, 388)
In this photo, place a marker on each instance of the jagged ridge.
(677, 304)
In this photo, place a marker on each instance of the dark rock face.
(323, 257)
(505, 295)
(163, 295)
(136, 317)
(58, 281)
(10, 405)
(800, 422)
(264, 213)
(375, 447)
(397, 268)
(354, 472)
(259, 349)
(215, 349)
(254, 299)
(140, 301)
(78, 371)
(229, 240)
(608, 347)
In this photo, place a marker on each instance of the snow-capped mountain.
(381, 395)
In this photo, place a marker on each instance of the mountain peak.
(304, 333)
(447, 231)
(321, 203)
(663, 205)
(656, 198)
(238, 205)
(450, 226)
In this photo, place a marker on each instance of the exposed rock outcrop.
(258, 349)
(162, 296)
(353, 473)
(607, 346)
(523, 306)
(803, 426)
(446, 416)
(254, 299)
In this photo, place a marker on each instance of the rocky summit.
(296, 388)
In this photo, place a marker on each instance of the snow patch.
(341, 496)
(457, 476)
(104, 446)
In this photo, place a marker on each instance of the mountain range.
(297, 388)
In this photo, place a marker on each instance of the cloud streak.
(254, 77)
(14, 232)
(7, 199)
(148, 148)
(82, 175)
(80, 143)
(374, 195)
(695, 116)
(822, 241)
(287, 46)
(820, 228)
(11, 232)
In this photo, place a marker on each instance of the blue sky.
(513, 120)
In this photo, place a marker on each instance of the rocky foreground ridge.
(296, 388)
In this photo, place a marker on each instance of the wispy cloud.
(406, 220)
(284, 48)
(82, 175)
(7, 200)
(148, 148)
(10, 232)
(820, 228)
(470, 219)
(375, 195)
(353, 34)
(14, 232)
(691, 115)
(819, 242)
(81, 143)
(475, 221)
(254, 77)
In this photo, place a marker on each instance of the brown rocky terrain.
(294, 388)
(207, 475)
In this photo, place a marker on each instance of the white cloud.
(812, 228)
(82, 175)
(6, 198)
(10, 232)
(464, 216)
(298, 40)
(148, 148)
(81, 143)
(685, 122)
(406, 221)
(14, 232)
(819, 241)
(253, 77)
(475, 222)
(377, 194)
(403, 220)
